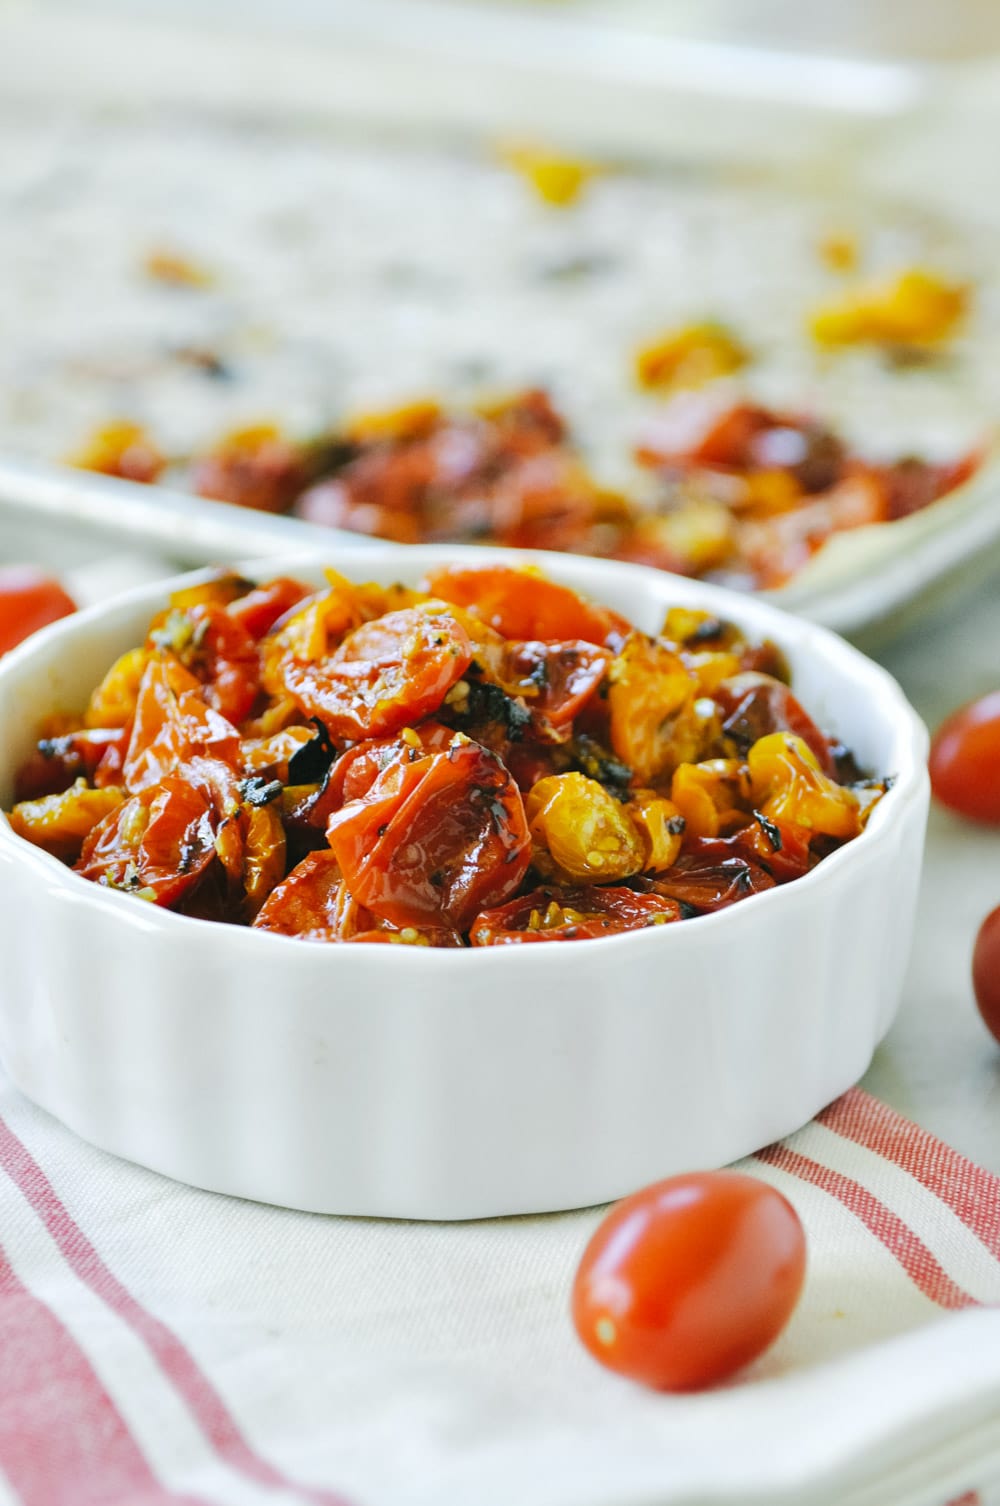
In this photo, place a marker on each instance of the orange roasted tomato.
(689, 1280)
(524, 605)
(386, 673)
(501, 761)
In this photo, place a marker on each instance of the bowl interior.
(848, 695)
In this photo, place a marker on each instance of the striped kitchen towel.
(161, 1346)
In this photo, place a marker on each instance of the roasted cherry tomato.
(253, 467)
(650, 689)
(555, 680)
(436, 840)
(313, 903)
(557, 914)
(525, 606)
(29, 600)
(262, 607)
(755, 704)
(96, 754)
(689, 1280)
(210, 642)
(157, 845)
(61, 822)
(965, 761)
(385, 674)
(173, 724)
(706, 883)
(986, 972)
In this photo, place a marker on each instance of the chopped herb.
(597, 763)
(488, 703)
(770, 830)
(705, 632)
(310, 763)
(257, 791)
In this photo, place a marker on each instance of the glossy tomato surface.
(986, 971)
(29, 600)
(965, 760)
(690, 1279)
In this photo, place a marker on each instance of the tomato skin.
(555, 679)
(688, 1280)
(593, 912)
(172, 725)
(986, 972)
(525, 606)
(385, 675)
(162, 841)
(29, 600)
(219, 651)
(755, 704)
(434, 841)
(965, 761)
(262, 607)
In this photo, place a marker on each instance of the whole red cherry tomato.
(29, 600)
(965, 760)
(690, 1279)
(986, 971)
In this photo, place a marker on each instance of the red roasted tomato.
(563, 914)
(436, 840)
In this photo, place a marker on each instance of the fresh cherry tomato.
(385, 675)
(525, 606)
(986, 971)
(29, 600)
(690, 1279)
(563, 914)
(965, 761)
(434, 841)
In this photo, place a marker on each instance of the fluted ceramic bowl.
(410, 1082)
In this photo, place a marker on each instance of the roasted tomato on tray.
(488, 760)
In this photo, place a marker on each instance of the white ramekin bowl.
(415, 1083)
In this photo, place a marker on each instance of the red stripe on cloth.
(898, 1238)
(63, 1441)
(176, 1362)
(971, 1192)
(971, 1498)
